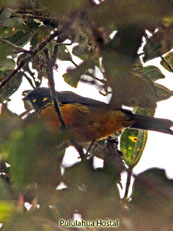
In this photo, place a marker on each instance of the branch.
(129, 176)
(167, 64)
(49, 70)
(73, 63)
(29, 15)
(95, 78)
(28, 57)
(29, 80)
(90, 147)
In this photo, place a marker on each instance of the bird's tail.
(153, 124)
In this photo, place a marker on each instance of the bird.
(89, 119)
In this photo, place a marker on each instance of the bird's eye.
(34, 100)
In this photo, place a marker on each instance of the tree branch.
(129, 176)
(167, 64)
(29, 15)
(28, 57)
(49, 70)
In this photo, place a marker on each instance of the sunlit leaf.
(168, 21)
(132, 144)
(144, 111)
(7, 209)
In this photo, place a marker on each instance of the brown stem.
(30, 15)
(29, 80)
(49, 71)
(89, 148)
(28, 57)
(167, 64)
(129, 176)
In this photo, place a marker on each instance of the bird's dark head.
(38, 97)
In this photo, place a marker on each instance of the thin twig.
(29, 80)
(89, 148)
(20, 11)
(28, 57)
(73, 62)
(79, 148)
(28, 15)
(167, 64)
(95, 78)
(129, 176)
(49, 70)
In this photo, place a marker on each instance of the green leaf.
(4, 193)
(82, 51)
(5, 50)
(20, 38)
(7, 209)
(168, 21)
(39, 35)
(162, 92)
(33, 156)
(153, 192)
(12, 86)
(132, 144)
(6, 21)
(88, 187)
(158, 44)
(169, 59)
(7, 12)
(7, 64)
(64, 54)
(152, 198)
(8, 122)
(144, 111)
(152, 73)
(72, 76)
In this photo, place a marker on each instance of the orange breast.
(87, 123)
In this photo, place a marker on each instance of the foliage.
(31, 154)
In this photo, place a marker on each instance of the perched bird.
(90, 119)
